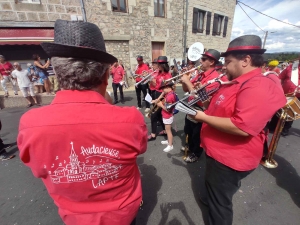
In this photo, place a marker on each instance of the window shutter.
(195, 20)
(225, 26)
(215, 24)
(208, 20)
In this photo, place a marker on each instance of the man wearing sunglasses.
(192, 128)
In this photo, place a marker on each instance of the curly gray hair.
(78, 74)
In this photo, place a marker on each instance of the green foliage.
(282, 56)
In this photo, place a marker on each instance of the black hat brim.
(252, 51)
(54, 49)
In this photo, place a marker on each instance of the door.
(157, 49)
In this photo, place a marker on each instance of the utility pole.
(185, 29)
(266, 35)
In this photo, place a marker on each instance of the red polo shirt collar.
(247, 76)
(70, 96)
(207, 73)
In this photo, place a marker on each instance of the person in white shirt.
(24, 82)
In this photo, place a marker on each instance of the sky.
(281, 37)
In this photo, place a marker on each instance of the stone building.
(24, 24)
(157, 27)
(130, 27)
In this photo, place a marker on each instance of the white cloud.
(277, 45)
(281, 37)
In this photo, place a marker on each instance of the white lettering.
(99, 151)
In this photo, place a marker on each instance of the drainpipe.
(83, 10)
(185, 29)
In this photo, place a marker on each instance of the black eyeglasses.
(204, 59)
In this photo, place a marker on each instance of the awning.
(23, 36)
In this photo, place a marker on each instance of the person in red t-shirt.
(5, 76)
(167, 114)
(192, 128)
(154, 72)
(141, 69)
(156, 116)
(117, 73)
(233, 134)
(272, 66)
(88, 160)
(288, 88)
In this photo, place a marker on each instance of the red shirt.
(276, 70)
(285, 77)
(169, 99)
(249, 104)
(117, 74)
(86, 157)
(5, 68)
(159, 78)
(139, 70)
(154, 75)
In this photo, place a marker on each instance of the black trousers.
(156, 117)
(152, 94)
(115, 87)
(221, 183)
(141, 88)
(193, 132)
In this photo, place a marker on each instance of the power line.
(250, 17)
(267, 15)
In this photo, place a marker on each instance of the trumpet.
(145, 79)
(191, 70)
(200, 93)
(155, 108)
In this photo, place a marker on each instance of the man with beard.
(233, 134)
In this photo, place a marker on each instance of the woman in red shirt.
(162, 75)
(5, 76)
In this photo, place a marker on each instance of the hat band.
(210, 55)
(244, 48)
(161, 61)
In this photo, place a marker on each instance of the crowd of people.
(37, 76)
(92, 174)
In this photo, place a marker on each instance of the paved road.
(171, 187)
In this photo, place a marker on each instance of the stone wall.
(48, 10)
(222, 7)
(139, 27)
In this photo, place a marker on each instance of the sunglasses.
(204, 59)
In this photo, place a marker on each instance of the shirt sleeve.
(13, 73)
(10, 67)
(257, 101)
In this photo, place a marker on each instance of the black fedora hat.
(139, 58)
(162, 59)
(245, 44)
(164, 84)
(78, 40)
(212, 53)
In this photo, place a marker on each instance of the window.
(198, 20)
(118, 5)
(30, 1)
(225, 26)
(159, 8)
(218, 19)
